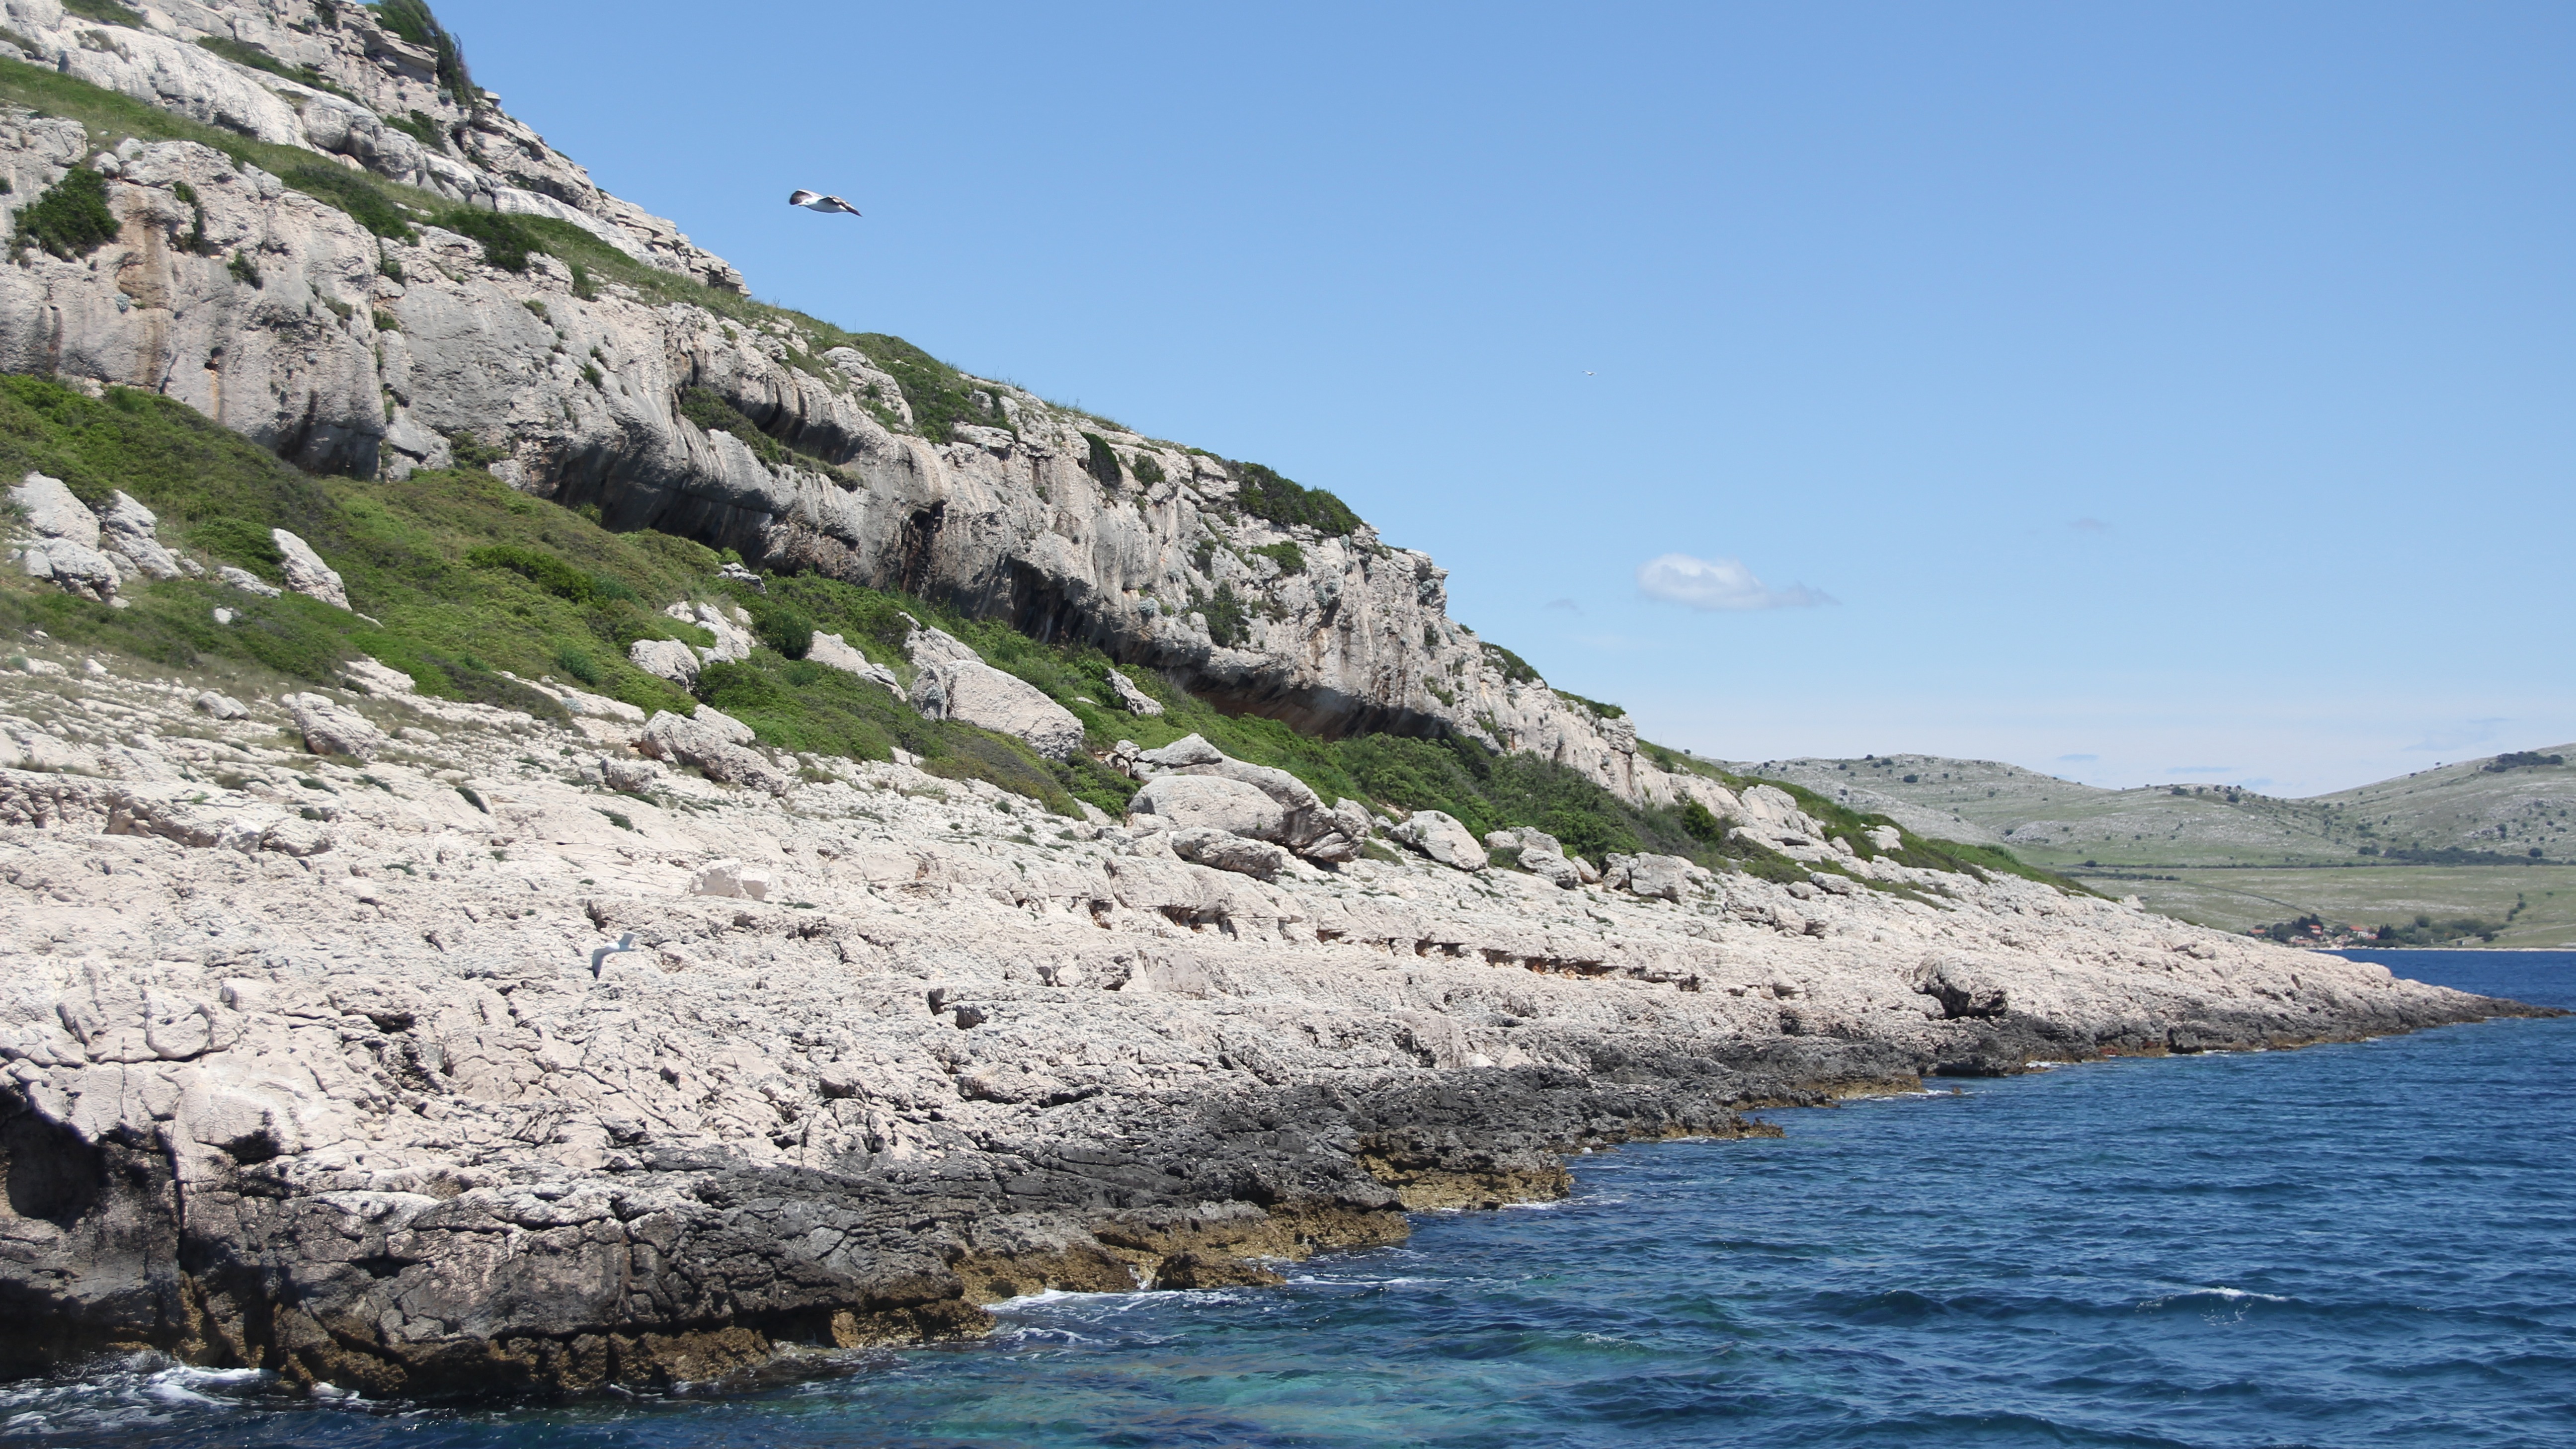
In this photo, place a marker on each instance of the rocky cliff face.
(283, 317)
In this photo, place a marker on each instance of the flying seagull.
(816, 201)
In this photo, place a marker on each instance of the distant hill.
(2237, 858)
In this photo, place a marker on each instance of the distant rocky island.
(564, 828)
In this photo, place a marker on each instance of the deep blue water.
(2371, 1244)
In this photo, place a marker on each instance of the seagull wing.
(803, 198)
(837, 204)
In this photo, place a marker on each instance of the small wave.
(2224, 1294)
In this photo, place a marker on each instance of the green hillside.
(2486, 840)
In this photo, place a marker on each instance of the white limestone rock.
(1131, 699)
(221, 706)
(711, 745)
(1219, 850)
(1440, 836)
(372, 676)
(332, 728)
(730, 879)
(132, 533)
(247, 582)
(628, 775)
(51, 512)
(1209, 802)
(833, 651)
(978, 694)
(667, 659)
(306, 573)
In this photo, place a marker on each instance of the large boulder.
(711, 746)
(666, 659)
(1543, 855)
(840, 654)
(1131, 699)
(306, 573)
(1210, 802)
(132, 534)
(332, 728)
(1306, 825)
(61, 542)
(978, 694)
(1222, 850)
(1438, 835)
(1656, 877)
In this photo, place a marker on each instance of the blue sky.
(2181, 391)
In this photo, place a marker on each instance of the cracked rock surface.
(453, 1070)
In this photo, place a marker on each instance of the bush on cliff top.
(71, 219)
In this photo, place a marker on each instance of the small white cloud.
(1723, 583)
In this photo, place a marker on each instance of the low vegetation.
(1263, 494)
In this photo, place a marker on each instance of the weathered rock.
(51, 512)
(630, 776)
(1131, 699)
(222, 706)
(1438, 834)
(332, 728)
(667, 658)
(1657, 877)
(131, 532)
(730, 878)
(1543, 855)
(247, 582)
(712, 747)
(978, 694)
(1210, 802)
(854, 1120)
(370, 676)
(306, 573)
(1221, 850)
(839, 653)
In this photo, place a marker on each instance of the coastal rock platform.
(437, 1073)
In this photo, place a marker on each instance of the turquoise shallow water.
(2371, 1244)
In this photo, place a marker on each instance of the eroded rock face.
(428, 1093)
(1011, 524)
(305, 571)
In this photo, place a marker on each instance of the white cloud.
(1723, 583)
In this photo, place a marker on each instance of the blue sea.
(2371, 1244)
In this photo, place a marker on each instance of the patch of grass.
(244, 270)
(412, 20)
(1606, 711)
(1263, 493)
(107, 10)
(257, 59)
(507, 240)
(421, 127)
(941, 398)
(71, 219)
(1148, 470)
(1290, 558)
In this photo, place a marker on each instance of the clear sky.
(2135, 393)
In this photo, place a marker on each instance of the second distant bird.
(817, 201)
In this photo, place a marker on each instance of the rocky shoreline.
(454, 1072)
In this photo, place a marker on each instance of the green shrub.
(107, 10)
(1226, 620)
(1102, 461)
(421, 127)
(577, 662)
(242, 542)
(1290, 558)
(1511, 666)
(1262, 493)
(781, 626)
(357, 194)
(506, 239)
(412, 20)
(1148, 470)
(1698, 823)
(71, 219)
(1606, 711)
(542, 569)
(244, 270)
